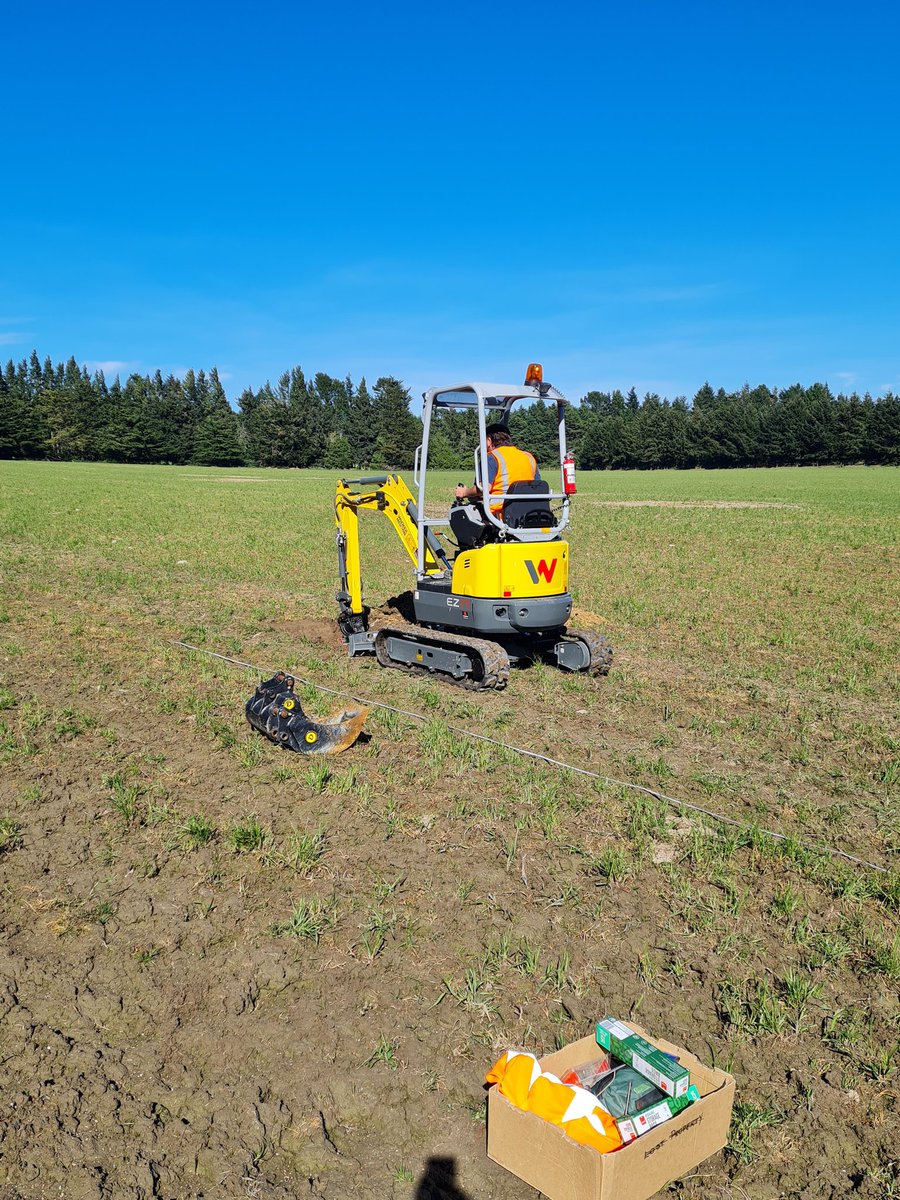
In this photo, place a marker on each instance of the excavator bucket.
(275, 711)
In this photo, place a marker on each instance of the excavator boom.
(378, 493)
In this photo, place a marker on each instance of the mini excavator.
(502, 598)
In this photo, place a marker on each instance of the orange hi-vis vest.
(574, 1109)
(513, 466)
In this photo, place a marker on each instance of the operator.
(506, 464)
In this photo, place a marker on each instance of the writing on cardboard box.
(677, 1133)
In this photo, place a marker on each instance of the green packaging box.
(631, 1048)
(648, 1118)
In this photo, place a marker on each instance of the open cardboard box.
(543, 1156)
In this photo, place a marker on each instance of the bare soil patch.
(231, 479)
(320, 630)
(690, 504)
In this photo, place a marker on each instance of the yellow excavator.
(503, 597)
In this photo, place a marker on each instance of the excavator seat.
(533, 510)
(469, 526)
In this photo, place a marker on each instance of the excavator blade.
(275, 711)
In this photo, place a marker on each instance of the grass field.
(278, 974)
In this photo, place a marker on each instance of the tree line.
(63, 412)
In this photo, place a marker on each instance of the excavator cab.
(503, 597)
(492, 404)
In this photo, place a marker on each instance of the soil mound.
(400, 606)
(313, 629)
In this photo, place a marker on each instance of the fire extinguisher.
(569, 475)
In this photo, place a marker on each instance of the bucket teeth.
(276, 712)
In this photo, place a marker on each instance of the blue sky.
(656, 197)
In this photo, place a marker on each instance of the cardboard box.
(541, 1154)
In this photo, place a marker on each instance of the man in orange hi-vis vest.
(506, 464)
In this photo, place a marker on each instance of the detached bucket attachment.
(275, 711)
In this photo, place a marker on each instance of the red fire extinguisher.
(569, 475)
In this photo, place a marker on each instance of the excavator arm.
(380, 493)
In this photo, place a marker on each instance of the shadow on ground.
(439, 1181)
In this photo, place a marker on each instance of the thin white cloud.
(665, 295)
(110, 366)
(12, 337)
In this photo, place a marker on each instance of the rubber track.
(600, 650)
(494, 658)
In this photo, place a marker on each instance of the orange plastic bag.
(515, 1072)
(574, 1109)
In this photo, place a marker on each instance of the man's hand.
(467, 492)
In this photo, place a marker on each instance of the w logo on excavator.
(544, 570)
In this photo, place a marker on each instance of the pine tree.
(679, 433)
(10, 414)
(307, 434)
(851, 428)
(35, 375)
(263, 420)
(217, 438)
(606, 442)
(173, 419)
(461, 429)
(333, 396)
(217, 441)
(338, 455)
(650, 428)
(250, 420)
(362, 432)
(441, 455)
(883, 442)
(534, 429)
(576, 423)
(705, 427)
(133, 433)
(69, 408)
(399, 432)
(112, 432)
